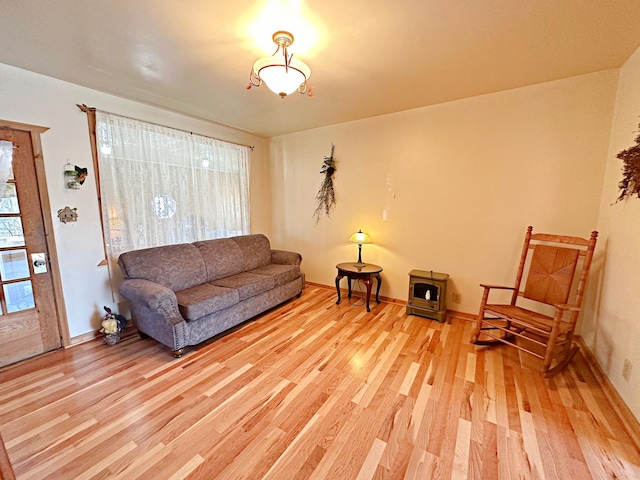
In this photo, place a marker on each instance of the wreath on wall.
(630, 183)
(326, 197)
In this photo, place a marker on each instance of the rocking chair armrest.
(568, 307)
(486, 293)
(502, 287)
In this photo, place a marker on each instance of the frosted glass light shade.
(360, 237)
(279, 79)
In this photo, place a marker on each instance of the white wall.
(35, 99)
(612, 330)
(452, 187)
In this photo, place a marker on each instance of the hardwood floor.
(311, 390)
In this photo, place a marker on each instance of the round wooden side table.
(366, 273)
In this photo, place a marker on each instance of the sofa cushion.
(281, 273)
(247, 284)
(196, 302)
(222, 257)
(177, 267)
(255, 250)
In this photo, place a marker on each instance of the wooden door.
(29, 320)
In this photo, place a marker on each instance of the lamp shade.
(360, 237)
(280, 78)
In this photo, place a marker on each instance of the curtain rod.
(85, 109)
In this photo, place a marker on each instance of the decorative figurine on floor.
(326, 197)
(112, 325)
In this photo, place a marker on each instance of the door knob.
(39, 261)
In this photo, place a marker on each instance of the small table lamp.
(360, 237)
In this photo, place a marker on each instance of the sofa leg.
(178, 353)
(142, 335)
(300, 294)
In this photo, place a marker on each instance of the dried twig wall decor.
(630, 183)
(326, 197)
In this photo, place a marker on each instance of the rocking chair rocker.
(550, 263)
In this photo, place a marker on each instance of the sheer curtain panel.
(164, 186)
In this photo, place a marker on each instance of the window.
(164, 186)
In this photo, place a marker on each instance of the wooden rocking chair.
(550, 263)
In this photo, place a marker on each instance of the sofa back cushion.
(175, 266)
(222, 257)
(255, 250)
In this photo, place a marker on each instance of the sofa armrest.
(152, 296)
(284, 257)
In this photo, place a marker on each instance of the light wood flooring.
(311, 390)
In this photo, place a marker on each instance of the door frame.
(36, 145)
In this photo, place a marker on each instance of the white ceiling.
(367, 57)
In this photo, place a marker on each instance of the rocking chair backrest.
(551, 274)
(554, 261)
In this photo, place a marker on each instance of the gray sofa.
(184, 294)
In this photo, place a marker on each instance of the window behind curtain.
(164, 186)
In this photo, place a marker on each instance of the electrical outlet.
(456, 297)
(626, 369)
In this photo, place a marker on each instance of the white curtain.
(6, 157)
(164, 186)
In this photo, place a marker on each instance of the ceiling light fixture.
(283, 74)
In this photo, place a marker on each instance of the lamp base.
(359, 264)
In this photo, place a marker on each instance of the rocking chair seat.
(522, 316)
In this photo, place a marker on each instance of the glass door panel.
(11, 233)
(18, 296)
(9, 201)
(13, 265)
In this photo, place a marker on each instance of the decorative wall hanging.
(630, 183)
(68, 214)
(74, 176)
(326, 197)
